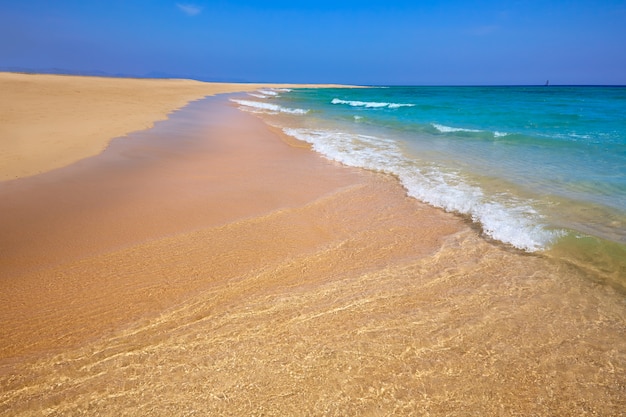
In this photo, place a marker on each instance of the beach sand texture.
(50, 121)
(210, 266)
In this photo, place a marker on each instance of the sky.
(377, 42)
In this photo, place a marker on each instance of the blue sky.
(361, 42)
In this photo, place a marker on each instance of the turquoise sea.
(540, 169)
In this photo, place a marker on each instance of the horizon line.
(159, 75)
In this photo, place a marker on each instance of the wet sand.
(210, 266)
(50, 121)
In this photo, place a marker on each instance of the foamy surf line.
(508, 219)
(449, 129)
(370, 104)
(259, 106)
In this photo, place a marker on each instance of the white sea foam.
(579, 136)
(257, 95)
(268, 92)
(448, 129)
(370, 104)
(267, 107)
(398, 105)
(506, 219)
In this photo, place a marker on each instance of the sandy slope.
(50, 121)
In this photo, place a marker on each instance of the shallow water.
(357, 301)
(538, 168)
(347, 329)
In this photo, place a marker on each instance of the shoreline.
(208, 265)
(50, 121)
(158, 189)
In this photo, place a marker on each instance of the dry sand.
(50, 121)
(208, 267)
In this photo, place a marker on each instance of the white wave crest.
(448, 129)
(268, 92)
(370, 104)
(257, 95)
(508, 220)
(398, 105)
(268, 107)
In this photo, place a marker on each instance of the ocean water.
(540, 169)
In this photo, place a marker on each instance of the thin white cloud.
(189, 9)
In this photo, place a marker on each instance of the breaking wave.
(267, 107)
(448, 129)
(507, 219)
(370, 104)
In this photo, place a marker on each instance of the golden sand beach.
(50, 121)
(210, 266)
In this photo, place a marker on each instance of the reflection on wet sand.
(233, 274)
